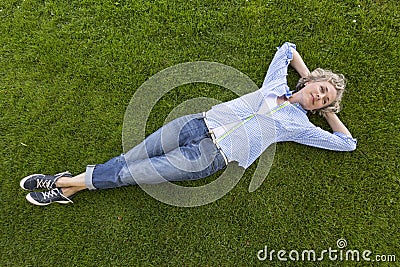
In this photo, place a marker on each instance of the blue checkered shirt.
(259, 127)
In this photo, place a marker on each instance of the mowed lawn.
(68, 70)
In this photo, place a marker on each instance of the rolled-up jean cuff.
(89, 177)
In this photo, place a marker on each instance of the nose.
(318, 97)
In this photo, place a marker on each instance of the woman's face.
(316, 95)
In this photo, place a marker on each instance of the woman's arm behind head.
(298, 64)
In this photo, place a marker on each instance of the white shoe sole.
(34, 202)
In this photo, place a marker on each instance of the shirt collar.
(284, 90)
(300, 107)
(288, 94)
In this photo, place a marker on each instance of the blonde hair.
(337, 80)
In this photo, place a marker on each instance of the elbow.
(351, 146)
(348, 143)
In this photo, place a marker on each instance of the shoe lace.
(51, 193)
(54, 193)
(44, 183)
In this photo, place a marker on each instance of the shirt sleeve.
(317, 137)
(277, 70)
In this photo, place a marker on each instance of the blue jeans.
(180, 150)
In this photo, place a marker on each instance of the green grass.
(69, 68)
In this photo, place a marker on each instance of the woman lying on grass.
(198, 145)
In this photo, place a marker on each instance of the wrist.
(305, 73)
(329, 115)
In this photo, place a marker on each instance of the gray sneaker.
(41, 181)
(48, 197)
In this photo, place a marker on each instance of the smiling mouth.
(313, 99)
